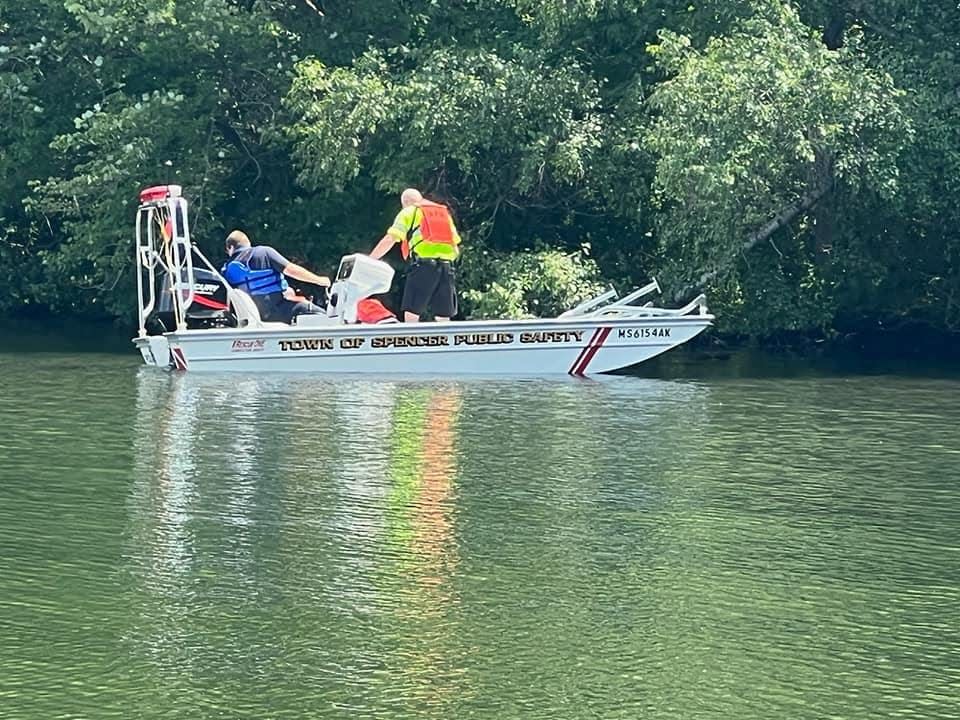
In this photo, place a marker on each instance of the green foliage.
(668, 136)
(506, 128)
(132, 97)
(756, 124)
(534, 284)
(778, 288)
(111, 146)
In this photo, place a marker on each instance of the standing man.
(259, 271)
(427, 235)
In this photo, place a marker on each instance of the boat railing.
(698, 304)
(182, 250)
(144, 261)
(600, 306)
(651, 287)
(584, 307)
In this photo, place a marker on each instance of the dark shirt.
(261, 257)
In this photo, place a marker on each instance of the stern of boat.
(154, 349)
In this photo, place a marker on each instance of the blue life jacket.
(254, 282)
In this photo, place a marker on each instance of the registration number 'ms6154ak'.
(644, 332)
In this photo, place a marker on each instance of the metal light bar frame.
(158, 205)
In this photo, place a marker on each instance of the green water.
(696, 545)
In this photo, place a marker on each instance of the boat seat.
(248, 314)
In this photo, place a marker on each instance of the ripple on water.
(252, 546)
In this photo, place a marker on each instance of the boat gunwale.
(340, 353)
(433, 328)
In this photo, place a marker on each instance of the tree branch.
(783, 217)
(313, 7)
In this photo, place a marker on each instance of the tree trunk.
(824, 214)
(833, 32)
(783, 217)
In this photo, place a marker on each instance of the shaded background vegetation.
(799, 161)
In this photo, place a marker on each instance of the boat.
(190, 319)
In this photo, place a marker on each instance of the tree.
(751, 133)
(179, 92)
(795, 158)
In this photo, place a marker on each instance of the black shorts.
(430, 283)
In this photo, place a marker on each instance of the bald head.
(237, 240)
(410, 196)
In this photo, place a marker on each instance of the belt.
(431, 261)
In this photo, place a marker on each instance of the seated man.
(259, 270)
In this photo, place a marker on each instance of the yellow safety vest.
(407, 228)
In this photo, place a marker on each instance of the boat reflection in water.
(423, 465)
(330, 499)
(328, 531)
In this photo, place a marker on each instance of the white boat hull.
(599, 335)
(575, 346)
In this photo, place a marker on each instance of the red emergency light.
(158, 193)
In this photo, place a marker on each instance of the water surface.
(288, 547)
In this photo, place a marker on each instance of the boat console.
(358, 277)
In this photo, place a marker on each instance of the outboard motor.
(209, 308)
(358, 277)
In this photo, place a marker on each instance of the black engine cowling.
(209, 308)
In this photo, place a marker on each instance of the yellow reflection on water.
(422, 468)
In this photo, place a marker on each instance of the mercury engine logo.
(205, 288)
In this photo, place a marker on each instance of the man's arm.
(383, 247)
(399, 230)
(298, 272)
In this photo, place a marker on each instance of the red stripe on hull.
(179, 361)
(576, 363)
(579, 367)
